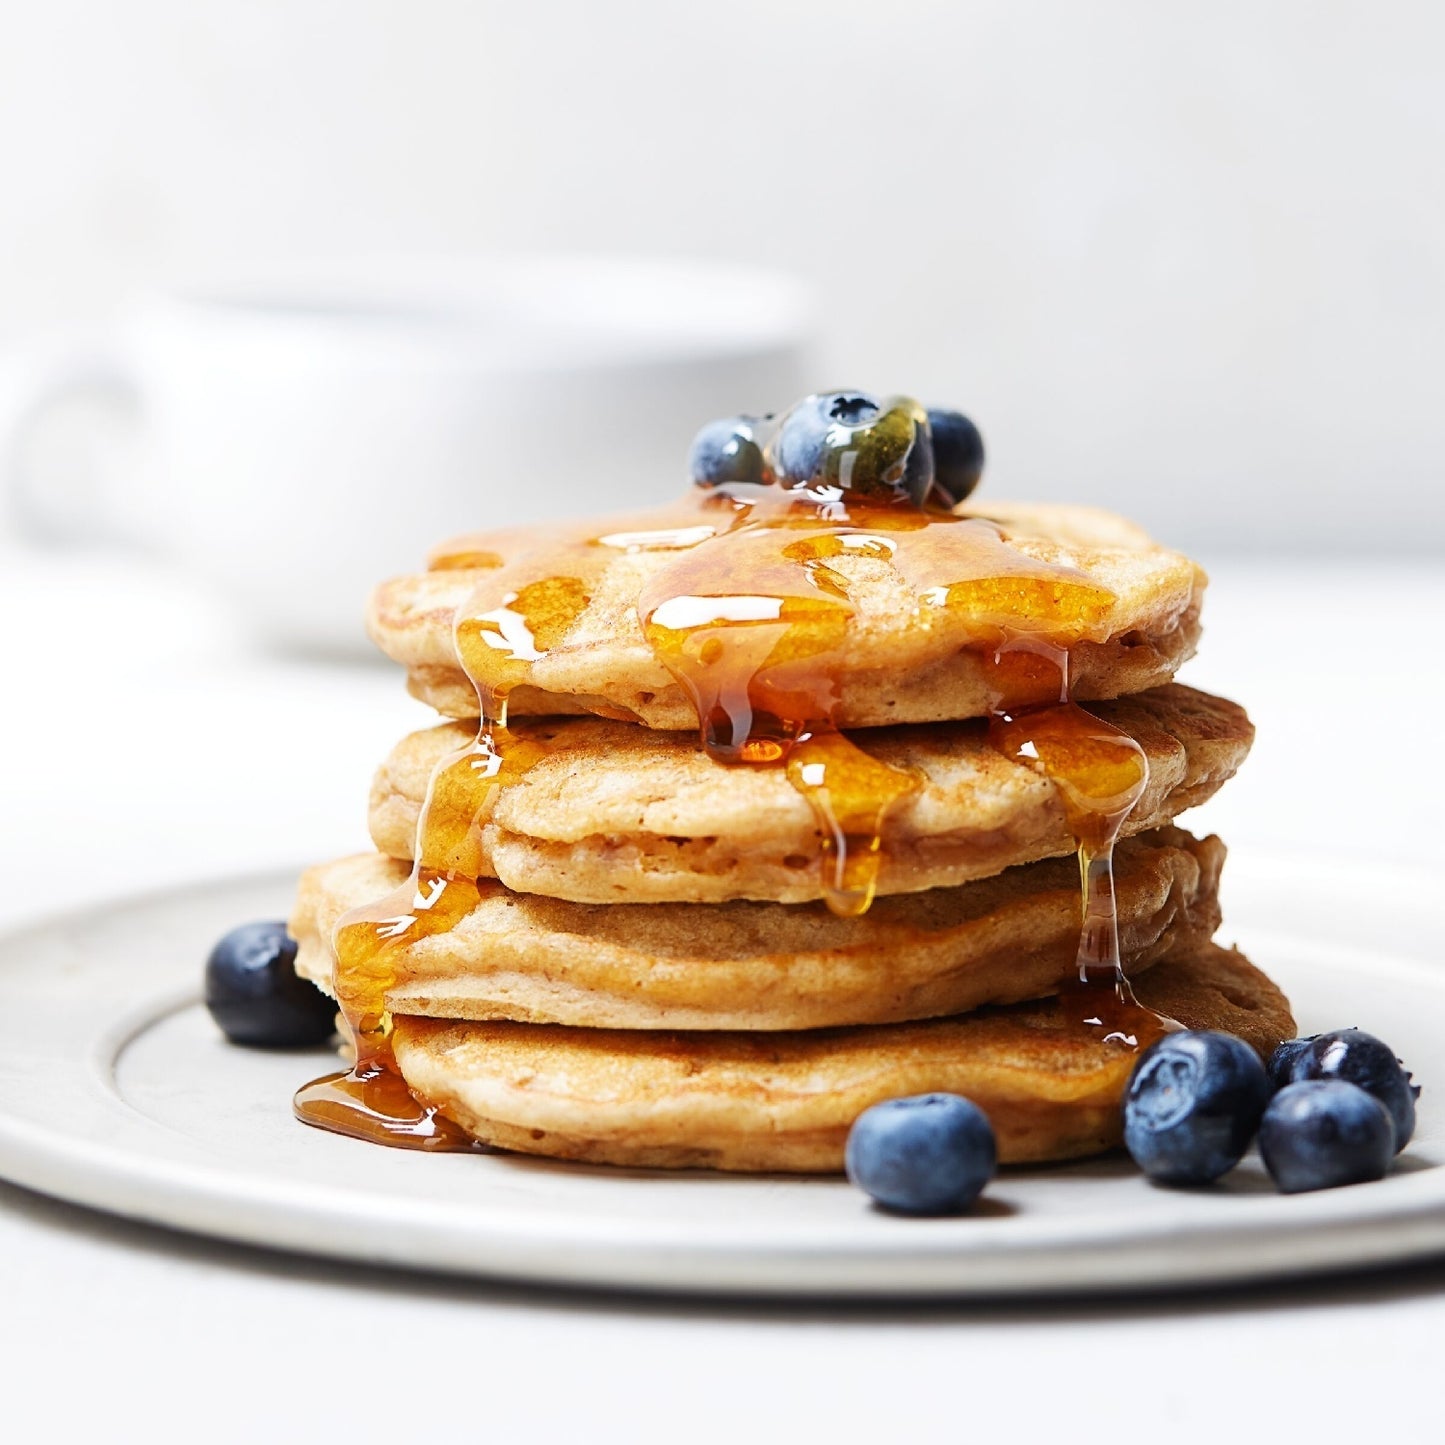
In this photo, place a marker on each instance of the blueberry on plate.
(255, 996)
(1281, 1062)
(727, 451)
(957, 453)
(1321, 1133)
(1193, 1104)
(855, 442)
(929, 1154)
(1361, 1058)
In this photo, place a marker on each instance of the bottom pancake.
(785, 1101)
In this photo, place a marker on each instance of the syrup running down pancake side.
(750, 619)
(512, 618)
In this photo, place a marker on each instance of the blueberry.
(1361, 1058)
(1321, 1133)
(957, 453)
(801, 448)
(727, 451)
(930, 1154)
(852, 441)
(918, 469)
(1281, 1062)
(1192, 1106)
(254, 994)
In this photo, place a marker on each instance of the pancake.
(785, 1102)
(617, 813)
(903, 659)
(767, 965)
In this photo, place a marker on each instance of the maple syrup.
(371, 1100)
(1099, 774)
(749, 617)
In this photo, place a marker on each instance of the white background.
(1186, 259)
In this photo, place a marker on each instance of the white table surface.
(147, 743)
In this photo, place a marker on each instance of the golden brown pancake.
(619, 813)
(903, 660)
(785, 1102)
(768, 965)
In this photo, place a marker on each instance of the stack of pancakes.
(644, 969)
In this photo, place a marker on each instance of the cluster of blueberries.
(883, 449)
(1328, 1110)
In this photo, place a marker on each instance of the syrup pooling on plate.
(371, 1100)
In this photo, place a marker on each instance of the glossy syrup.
(371, 1100)
(753, 624)
(1099, 774)
(752, 617)
(516, 614)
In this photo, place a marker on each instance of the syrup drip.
(371, 1100)
(752, 621)
(1099, 774)
(851, 795)
(753, 624)
(371, 944)
(516, 614)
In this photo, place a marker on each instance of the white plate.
(117, 1092)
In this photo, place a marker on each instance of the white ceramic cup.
(305, 438)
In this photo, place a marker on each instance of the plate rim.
(207, 1198)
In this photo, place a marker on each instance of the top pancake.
(905, 657)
